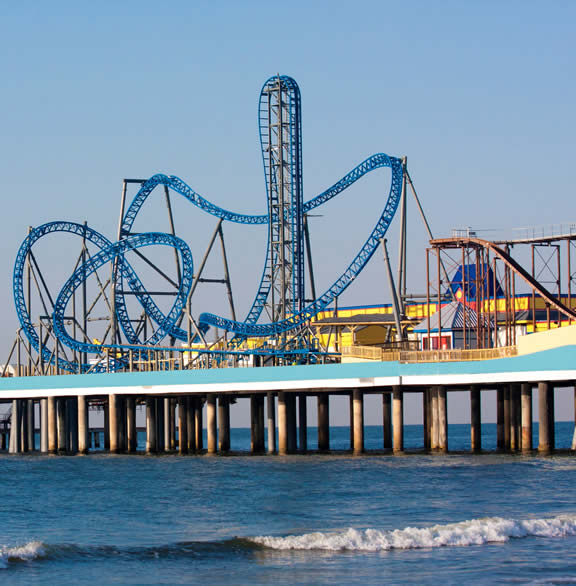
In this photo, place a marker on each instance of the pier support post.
(224, 423)
(500, 435)
(31, 426)
(514, 417)
(282, 424)
(351, 419)
(172, 416)
(302, 423)
(426, 419)
(62, 428)
(387, 420)
(507, 419)
(442, 420)
(151, 426)
(131, 431)
(546, 417)
(324, 422)
(52, 425)
(291, 420)
(398, 418)
(191, 423)
(526, 391)
(167, 424)
(271, 412)
(434, 423)
(475, 419)
(358, 413)
(257, 424)
(44, 425)
(182, 425)
(83, 431)
(114, 423)
(199, 424)
(15, 428)
(211, 427)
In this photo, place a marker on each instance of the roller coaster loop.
(167, 323)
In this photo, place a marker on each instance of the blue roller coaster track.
(281, 288)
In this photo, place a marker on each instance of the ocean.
(301, 519)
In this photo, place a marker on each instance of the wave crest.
(465, 533)
(21, 553)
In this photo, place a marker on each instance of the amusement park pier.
(496, 315)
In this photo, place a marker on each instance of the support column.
(62, 428)
(52, 425)
(387, 420)
(434, 423)
(44, 425)
(191, 423)
(151, 425)
(545, 407)
(324, 422)
(475, 420)
(271, 412)
(113, 419)
(358, 415)
(257, 424)
(442, 420)
(106, 426)
(131, 430)
(15, 428)
(172, 411)
(211, 423)
(224, 423)
(23, 419)
(167, 424)
(351, 419)
(199, 424)
(426, 418)
(526, 391)
(83, 431)
(302, 423)
(31, 426)
(514, 417)
(282, 424)
(398, 418)
(291, 421)
(507, 419)
(500, 436)
(182, 425)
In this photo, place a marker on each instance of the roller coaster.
(280, 311)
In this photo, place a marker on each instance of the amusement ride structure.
(473, 278)
(276, 326)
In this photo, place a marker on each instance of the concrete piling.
(212, 443)
(475, 420)
(398, 418)
(282, 424)
(302, 423)
(83, 429)
(257, 424)
(358, 417)
(442, 419)
(324, 422)
(131, 432)
(387, 420)
(526, 393)
(223, 423)
(546, 417)
(151, 443)
(182, 425)
(271, 413)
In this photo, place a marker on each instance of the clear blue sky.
(479, 95)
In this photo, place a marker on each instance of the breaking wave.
(465, 533)
(21, 553)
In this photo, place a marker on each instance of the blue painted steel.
(166, 324)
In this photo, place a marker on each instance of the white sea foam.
(473, 532)
(26, 552)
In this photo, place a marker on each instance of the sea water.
(313, 519)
